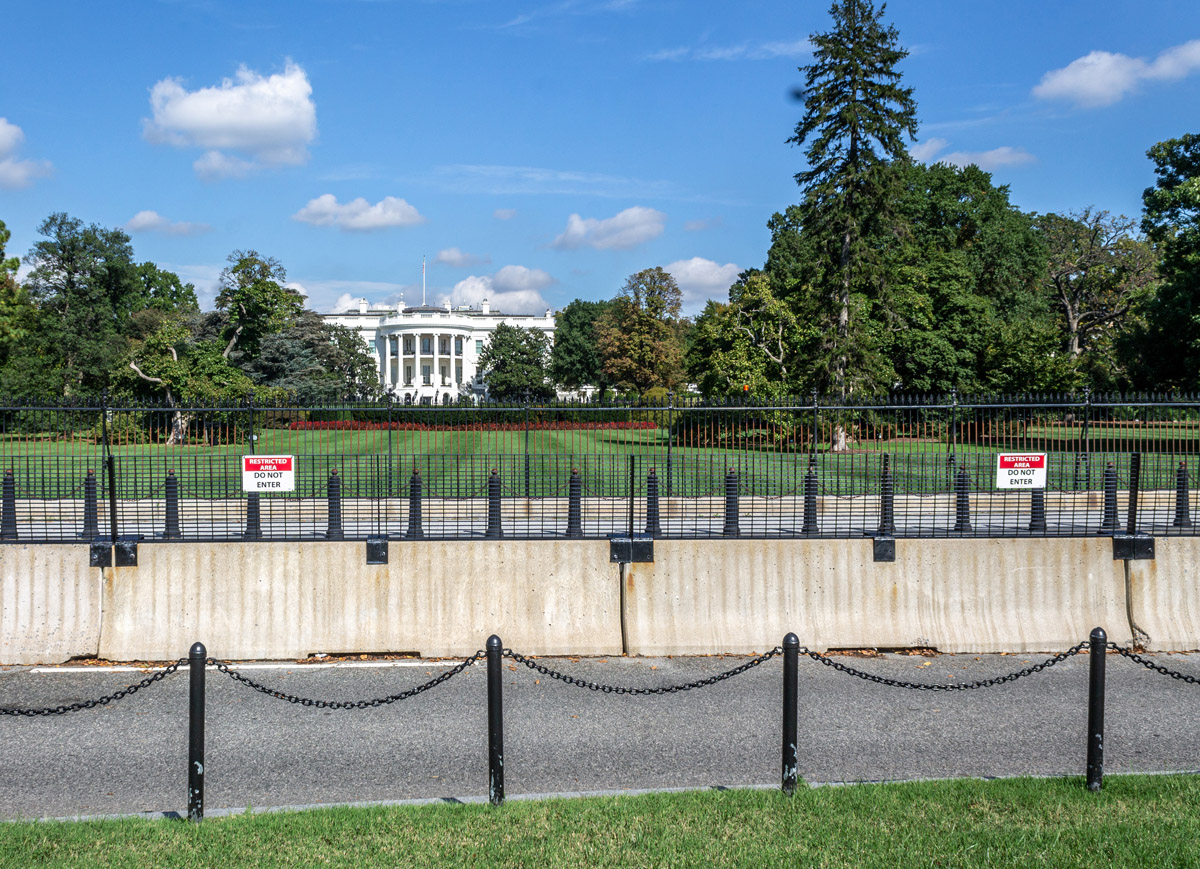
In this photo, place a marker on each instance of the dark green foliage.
(316, 362)
(641, 335)
(255, 300)
(856, 114)
(575, 359)
(513, 364)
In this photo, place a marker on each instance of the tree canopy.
(640, 335)
(514, 362)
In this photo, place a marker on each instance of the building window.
(444, 346)
(478, 347)
(458, 346)
(426, 345)
(408, 375)
(408, 345)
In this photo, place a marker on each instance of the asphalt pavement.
(130, 756)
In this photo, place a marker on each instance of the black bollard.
(1183, 506)
(171, 493)
(810, 498)
(962, 502)
(495, 652)
(8, 508)
(791, 754)
(494, 527)
(1037, 511)
(1135, 474)
(1095, 744)
(91, 507)
(653, 528)
(334, 531)
(887, 494)
(416, 527)
(253, 517)
(731, 528)
(1109, 523)
(575, 505)
(197, 658)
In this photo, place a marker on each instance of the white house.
(427, 354)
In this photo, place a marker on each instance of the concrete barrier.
(1164, 595)
(50, 603)
(954, 595)
(289, 600)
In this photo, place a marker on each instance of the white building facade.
(428, 354)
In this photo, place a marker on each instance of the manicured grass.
(1135, 821)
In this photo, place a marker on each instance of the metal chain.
(617, 689)
(1150, 665)
(961, 686)
(99, 701)
(224, 667)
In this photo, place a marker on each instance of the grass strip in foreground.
(1135, 821)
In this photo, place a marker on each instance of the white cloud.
(1101, 78)
(996, 158)
(152, 221)
(701, 225)
(358, 215)
(504, 213)
(456, 258)
(515, 279)
(501, 180)
(627, 229)
(923, 151)
(702, 279)
(298, 287)
(513, 290)
(205, 278)
(345, 302)
(739, 51)
(269, 119)
(14, 172)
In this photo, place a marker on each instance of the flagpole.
(422, 281)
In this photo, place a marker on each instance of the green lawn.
(1135, 821)
(457, 463)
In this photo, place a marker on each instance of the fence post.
(731, 528)
(416, 527)
(8, 507)
(1109, 523)
(887, 494)
(810, 497)
(253, 517)
(791, 759)
(494, 527)
(652, 525)
(962, 502)
(495, 652)
(1135, 473)
(1095, 745)
(334, 531)
(171, 493)
(1037, 511)
(575, 505)
(197, 658)
(1183, 507)
(91, 507)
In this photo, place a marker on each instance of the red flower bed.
(559, 425)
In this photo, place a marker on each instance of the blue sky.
(536, 152)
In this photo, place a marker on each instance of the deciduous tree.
(513, 364)
(640, 337)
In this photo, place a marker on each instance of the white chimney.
(400, 304)
(485, 307)
(362, 306)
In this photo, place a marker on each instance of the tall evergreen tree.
(855, 116)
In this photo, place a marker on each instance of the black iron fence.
(900, 466)
(790, 650)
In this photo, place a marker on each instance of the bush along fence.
(1010, 466)
(790, 651)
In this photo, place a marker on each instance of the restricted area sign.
(1021, 471)
(268, 473)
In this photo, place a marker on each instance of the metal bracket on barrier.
(377, 550)
(638, 549)
(1133, 547)
(125, 551)
(884, 549)
(100, 554)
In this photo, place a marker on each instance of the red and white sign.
(268, 473)
(1021, 471)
